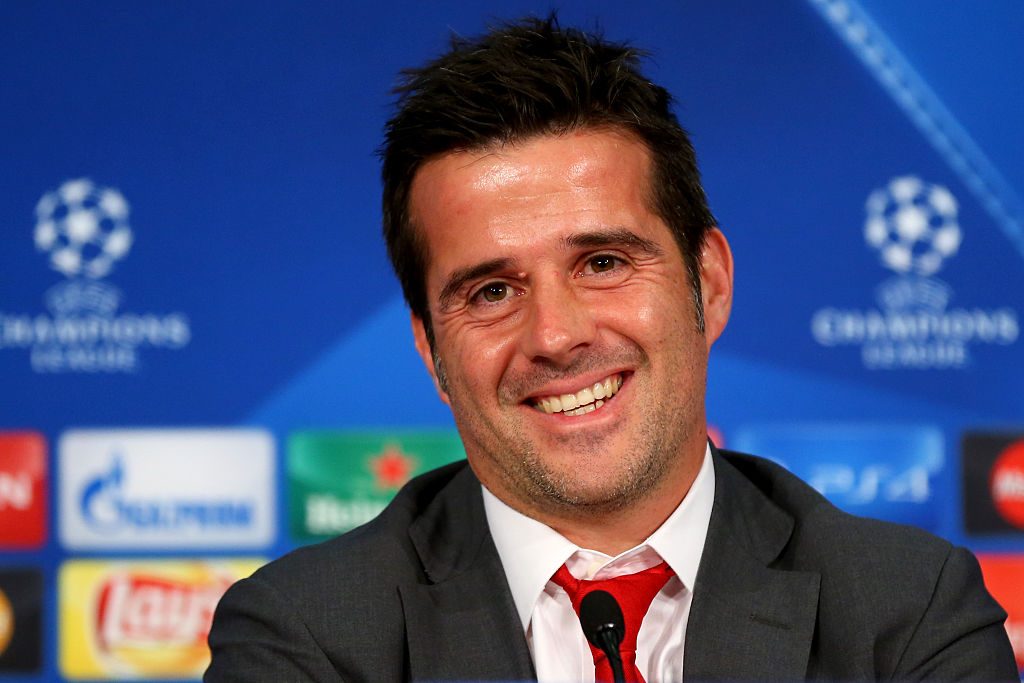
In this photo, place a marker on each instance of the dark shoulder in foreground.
(329, 611)
(373, 551)
(822, 533)
(894, 602)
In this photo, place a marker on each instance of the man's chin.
(598, 445)
(585, 491)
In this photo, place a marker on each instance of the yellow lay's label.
(141, 619)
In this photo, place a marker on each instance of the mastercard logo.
(1006, 484)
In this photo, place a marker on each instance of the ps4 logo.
(847, 484)
(894, 472)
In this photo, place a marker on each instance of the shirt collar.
(531, 552)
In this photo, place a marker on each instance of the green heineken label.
(339, 480)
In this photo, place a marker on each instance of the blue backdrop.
(242, 136)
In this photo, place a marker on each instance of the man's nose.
(558, 323)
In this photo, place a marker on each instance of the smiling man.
(544, 213)
(566, 330)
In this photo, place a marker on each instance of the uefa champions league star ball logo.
(918, 322)
(913, 224)
(84, 228)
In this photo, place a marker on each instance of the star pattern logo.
(392, 467)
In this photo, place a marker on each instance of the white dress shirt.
(531, 553)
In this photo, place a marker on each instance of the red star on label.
(392, 468)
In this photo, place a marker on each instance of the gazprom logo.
(106, 508)
(174, 489)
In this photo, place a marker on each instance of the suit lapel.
(748, 621)
(462, 622)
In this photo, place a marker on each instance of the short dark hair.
(521, 80)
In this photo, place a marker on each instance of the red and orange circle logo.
(1007, 484)
(6, 622)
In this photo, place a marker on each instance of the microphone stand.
(604, 626)
(608, 642)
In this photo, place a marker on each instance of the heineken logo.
(339, 480)
(392, 467)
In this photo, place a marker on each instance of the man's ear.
(419, 334)
(715, 284)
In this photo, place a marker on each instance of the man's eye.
(494, 292)
(602, 263)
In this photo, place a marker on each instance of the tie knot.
(634, 593)
(629, 590)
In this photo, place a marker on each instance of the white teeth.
(586, 400)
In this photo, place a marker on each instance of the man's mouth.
(586, 400)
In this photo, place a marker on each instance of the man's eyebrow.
(605, 237)
(460, 277)
(609, 237)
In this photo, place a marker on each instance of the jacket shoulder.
(894, 600)
(332, 608)
(822, 532)
(379, 550)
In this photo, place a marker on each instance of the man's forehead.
(502, 161)
(610, 160)
(543, 193)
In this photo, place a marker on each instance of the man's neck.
(614, 531)
(531, 551)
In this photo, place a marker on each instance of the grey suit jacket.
(788, 588)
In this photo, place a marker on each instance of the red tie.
(634, 593)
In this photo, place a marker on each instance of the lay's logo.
(140, 611)
(140, 619)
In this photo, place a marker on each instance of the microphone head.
(601, 616)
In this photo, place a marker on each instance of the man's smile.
(585, 400)
(568, 341)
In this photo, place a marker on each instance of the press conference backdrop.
(206, 362)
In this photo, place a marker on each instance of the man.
(544, 213)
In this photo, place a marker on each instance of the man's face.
(551, 283)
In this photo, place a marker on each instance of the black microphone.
(604, 626)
